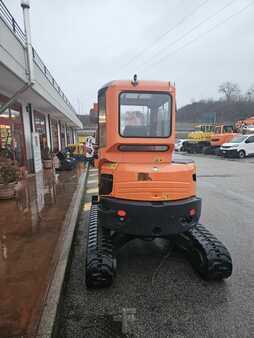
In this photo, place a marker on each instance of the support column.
(48, 132)
(72, 136)
(59, 135)
(65, 134)
(27, 116)
(32, 118)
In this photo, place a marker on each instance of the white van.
(248, 129)
(179, 145)
(240, 146)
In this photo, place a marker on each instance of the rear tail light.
(121, 213)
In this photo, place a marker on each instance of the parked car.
(240, 146)
(248, 129)
(179, 145)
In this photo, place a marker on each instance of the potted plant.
(9, 176)
(46, 158)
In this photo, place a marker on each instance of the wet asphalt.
(169, 298)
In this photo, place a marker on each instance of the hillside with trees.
(231, 107)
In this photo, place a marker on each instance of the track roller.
(208, 256)
(100, 263)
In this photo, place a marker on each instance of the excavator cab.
(222, 134)
(143, 192)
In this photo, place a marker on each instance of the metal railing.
(9, 20)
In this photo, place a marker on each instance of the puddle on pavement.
(30, 226)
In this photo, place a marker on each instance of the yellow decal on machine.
(158, 160)
(111, 165)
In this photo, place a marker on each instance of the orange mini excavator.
(143, 192)
(222, 134)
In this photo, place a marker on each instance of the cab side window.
(251, 139)
(102, 119)
(228, 129)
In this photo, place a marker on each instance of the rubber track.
(208, 256)
(99, 256)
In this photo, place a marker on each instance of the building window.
(62, 135)
(54, 133)
(69, 135)
(12, 141)
(40, 127)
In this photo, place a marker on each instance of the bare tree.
(230, 90)
(250, 93)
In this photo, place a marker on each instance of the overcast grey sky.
(88, 43)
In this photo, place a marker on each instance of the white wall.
(12, 52)
(12, 57)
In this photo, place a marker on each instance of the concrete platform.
(32, 229)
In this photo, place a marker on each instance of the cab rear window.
(145, 114)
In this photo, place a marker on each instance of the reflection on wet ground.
(30, 226)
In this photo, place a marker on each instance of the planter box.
(7, 191)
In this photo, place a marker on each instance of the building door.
(62, 135)
(54, 133)
(40, 128)
(69, 135)
(12, 141)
